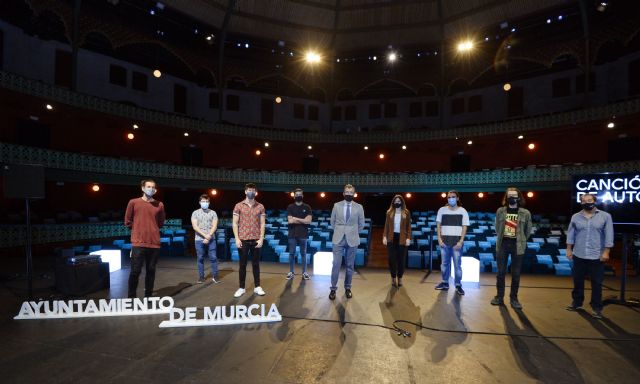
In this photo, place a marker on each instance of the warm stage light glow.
(95, 188)
(480, 195)
(381, 156)
(408, 195)
(278, 100)
(531, 146)
(443, 195)
(506, 87)
(470, 142)
(266, 144)
(213, 192)
(309, 147)
(49, 107)
(366, 148)
(135, 126)
(312, 57)
(404, 147)
(529, 194)
(130, 136)
(465, 46)
(355, 195)
(157, 73)
(186, 134)
(520, 137)
(322, 194)
(258, 153)
(292, 194)
(392, 57)
(611, 125)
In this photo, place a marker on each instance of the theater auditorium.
(319, 191)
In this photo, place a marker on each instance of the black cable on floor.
(404, 333)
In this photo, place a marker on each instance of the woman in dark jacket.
(397, 237)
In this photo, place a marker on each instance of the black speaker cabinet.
(23, 181)
(81, 279)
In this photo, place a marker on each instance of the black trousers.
(509, 248)
(249, 246)
(396, 253)
(139, 256)
(595, 269)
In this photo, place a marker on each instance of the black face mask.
(348, 197)
(298, 199)
(513, 200)
(397, 205)
(588, 206)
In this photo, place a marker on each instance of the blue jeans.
(210, 249)
(302, 243)
(338, 250)
(448, 253)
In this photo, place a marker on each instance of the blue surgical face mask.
(204, 205)
(453, 201)
(251, 195)
(149, 191)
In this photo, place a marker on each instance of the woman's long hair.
(403, 208)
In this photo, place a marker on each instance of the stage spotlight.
(480, 195)
(366, 148)
(548, 21)
(322, 194)
(309, 147)
(135, 126)
(49, 107)
(408, 195)
(506, 87)
(292, 194)
(469, 142)
(392, 57)
(465, 46)
(529, 194)
(213, 192)
(602, 6)
(157, 73)
(186, 134)
(611, 125)
(355, 195)
(95, 188)
(404, 147)
(381, 156)
(520, 137)
(266, 144)
(258, 153)
(443, 195)
(130, 136)
(531, 146)
(312, 57)
(278, 100)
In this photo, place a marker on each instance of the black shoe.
(497, 301)
(348, 293)
(332, 294)
(515, 304)
(459, 290)
(442, 287)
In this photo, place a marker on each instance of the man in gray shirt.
(589, 239)
(205, 223)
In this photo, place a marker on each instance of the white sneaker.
(258, 291)
(290, 275)
(239, 292)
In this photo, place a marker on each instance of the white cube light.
(322, 263)
(470, 269)
(111, 256)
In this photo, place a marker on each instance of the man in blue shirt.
(589, 239)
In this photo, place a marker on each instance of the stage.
(348, 348)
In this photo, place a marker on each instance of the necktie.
(348, 215)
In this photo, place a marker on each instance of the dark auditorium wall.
(78, 130)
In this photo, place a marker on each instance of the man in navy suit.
(347, 220)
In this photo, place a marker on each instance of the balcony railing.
(65, 96)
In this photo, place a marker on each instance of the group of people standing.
(589, 239)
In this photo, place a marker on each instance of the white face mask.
(149, 191)
(204, 205)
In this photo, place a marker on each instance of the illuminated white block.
(470, 269)
(111, 256)
(322, 263)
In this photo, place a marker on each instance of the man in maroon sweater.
(144, 216)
